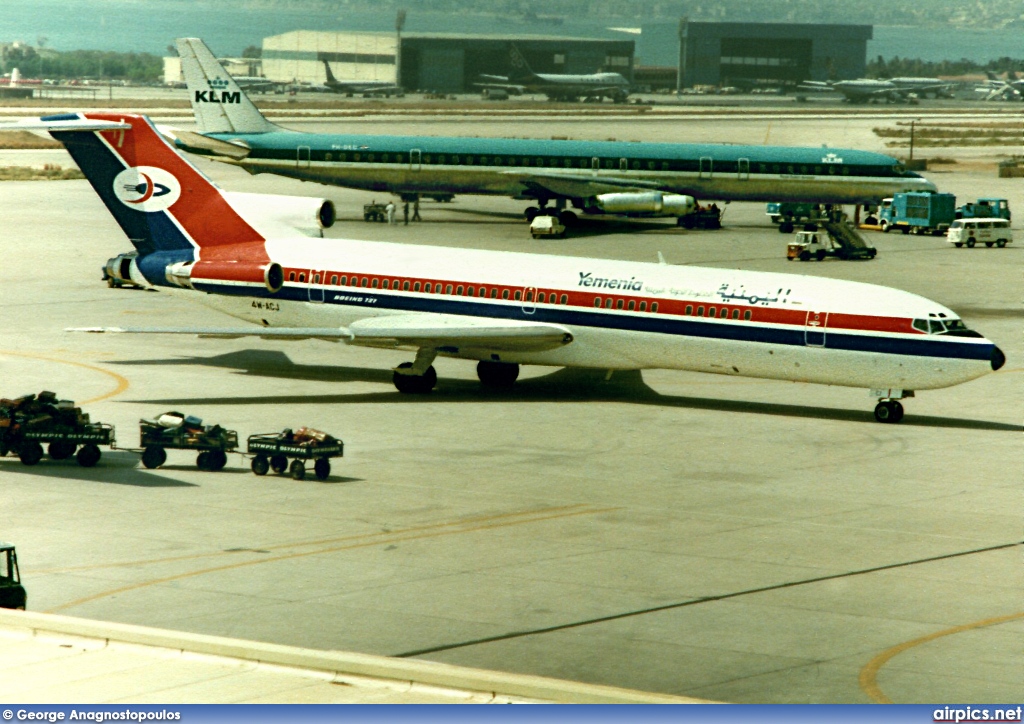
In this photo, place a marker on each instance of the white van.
(980, 231)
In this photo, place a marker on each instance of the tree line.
(897, 67)
(101, 64)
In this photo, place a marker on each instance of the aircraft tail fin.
(169, 210)
(520, 70)
(330, 76)
(218, 103)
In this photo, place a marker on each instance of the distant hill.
(991, 13)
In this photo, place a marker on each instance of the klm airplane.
(595, 177)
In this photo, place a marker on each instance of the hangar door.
(786, 59)
(442, 69)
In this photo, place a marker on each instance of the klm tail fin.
(168, 209)
(521, 70)
(218, 103)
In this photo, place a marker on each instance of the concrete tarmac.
(723, 538)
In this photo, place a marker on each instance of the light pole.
(399, 24)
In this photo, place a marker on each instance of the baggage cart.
(272, 451)
(174, 431)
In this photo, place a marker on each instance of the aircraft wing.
(440, 331)
(437, 331)
(513, 88)
(579, 186)
(285, 333)
(190, 140)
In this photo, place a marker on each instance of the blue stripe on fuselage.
(606, 319)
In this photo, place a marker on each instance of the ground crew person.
(405, 212)
(390, 209)
(416, 209)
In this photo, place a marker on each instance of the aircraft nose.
(998, 358)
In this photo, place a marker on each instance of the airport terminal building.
(441, 62)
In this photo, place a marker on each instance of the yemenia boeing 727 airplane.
(236, 253)
(596, 177)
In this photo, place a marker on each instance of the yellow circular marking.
(400, 538)
(122, 383)
(869, 674)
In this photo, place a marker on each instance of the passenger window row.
(647, 164)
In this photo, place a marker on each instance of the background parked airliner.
(503, 309)
(594, 176)
(557, 86)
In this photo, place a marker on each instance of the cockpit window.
(899, 168)
(939, 326)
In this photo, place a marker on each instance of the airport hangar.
(722, 54)
(441, 62)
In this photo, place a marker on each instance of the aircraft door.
(743, 169)
(595, 164)
(623, 164)
(705, 167)
(415, 159)
(529, 300)
(302, 157)
(317, 278)
(814, 329)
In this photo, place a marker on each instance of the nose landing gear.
(889, 409)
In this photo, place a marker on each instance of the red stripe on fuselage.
(837, 321)
(201, 211)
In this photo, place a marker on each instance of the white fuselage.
(623, 315)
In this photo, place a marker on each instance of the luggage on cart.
(26, 423)
(176, 431)
(272, 451)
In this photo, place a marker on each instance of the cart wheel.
(154, 456)
(322, 468)
(297, 470)
(61, 449)
(88, 455)
(260, 465)
(203, 461)
(218, 459)
(30, 452)
(279, 463)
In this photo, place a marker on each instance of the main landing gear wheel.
(61, 449)
(415, 384)
(890, 411)
(786, 227)
(497, 374)
(568, 218)
(531, 213)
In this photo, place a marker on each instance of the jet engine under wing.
(439, 331)
(582, 185)
(403, 330)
